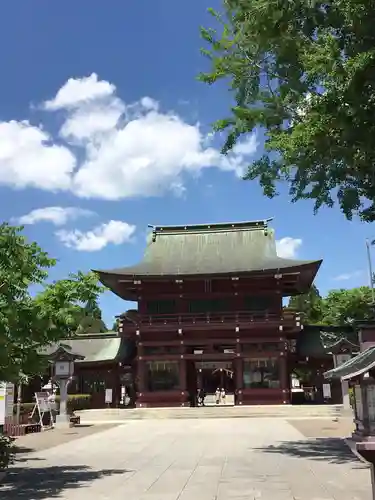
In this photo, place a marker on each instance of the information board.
(6, 401)
(327, 391)
(43, 407)
(108, 396)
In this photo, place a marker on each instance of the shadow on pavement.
(333, 450)
(49, 482)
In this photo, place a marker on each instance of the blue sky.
(101, 114)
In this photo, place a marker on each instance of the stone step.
(263, 411)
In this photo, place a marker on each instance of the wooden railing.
(234, 317)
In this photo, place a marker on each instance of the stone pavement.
(210, 459)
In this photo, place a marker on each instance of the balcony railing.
(286, 317)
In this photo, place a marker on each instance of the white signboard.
(6, 401)
(327, 391)
(62, 369)
(43, 406)
(108, 396)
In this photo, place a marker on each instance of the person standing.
(223, 395)
(217, 396)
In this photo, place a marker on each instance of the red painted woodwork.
(245, 333)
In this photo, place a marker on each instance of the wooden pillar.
(284, 378)
(141, 374)
(365, 409)
(182, 370)
(238, 374)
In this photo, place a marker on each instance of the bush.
(75, 402)
(7, 451)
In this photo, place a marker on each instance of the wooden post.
(284, 382)
(182, 373)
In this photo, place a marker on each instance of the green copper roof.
(316, 340)
(95, 348)
(209, 249)
(355, 366)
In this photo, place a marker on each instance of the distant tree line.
(338, 307)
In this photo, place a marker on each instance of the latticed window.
(162, 376)
(258, 303)
(161, 307)
(209, 306)
(261, 373)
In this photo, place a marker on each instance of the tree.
(303, 72)
(342, 307)
(91, 319)
(310, 305)
(27, 323)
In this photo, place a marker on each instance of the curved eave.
(122, 283)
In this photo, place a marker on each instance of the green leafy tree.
(310, 305)
(342, 307)
(28, 323)
(91, 319)
(303, 72)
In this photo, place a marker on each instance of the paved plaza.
(210, 459)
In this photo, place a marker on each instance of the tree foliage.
(91, 319)
(304, 72)
(339, 307)
(28, 323)
(310, 305)
(343, 306)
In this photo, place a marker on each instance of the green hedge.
(75, 402)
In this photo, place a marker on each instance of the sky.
(105, 129)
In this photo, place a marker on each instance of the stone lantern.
(63, 369)
(360, 370)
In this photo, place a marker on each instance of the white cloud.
(120, 150)
(58, 216)
(28, 158)
(113, 232)
(288, 247)
(348, 276)
(78, 91)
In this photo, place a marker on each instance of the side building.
(210, 313)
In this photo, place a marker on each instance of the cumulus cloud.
(120, 150)
(77, 91)
(348, 276)
(29, 158)
(113, 232)
(58, 216)
(288, 247)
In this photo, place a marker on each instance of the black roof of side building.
(209, 250)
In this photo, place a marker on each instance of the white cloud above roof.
(108, 149)
(288, 247)
(114, 232)
(58, 216)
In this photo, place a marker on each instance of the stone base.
(62, 422)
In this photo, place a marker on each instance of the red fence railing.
(238, 317)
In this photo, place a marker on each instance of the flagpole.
(370, 270)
